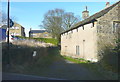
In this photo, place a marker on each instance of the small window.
(83, 27)
(17, 34)
(45, 35)
(93, 24)
(16, 27)
(77, 29)
(34, 34)
(116, 25)
(77, 50)
(66, 36)
(65, 48)
(11, 28)
(69, 35)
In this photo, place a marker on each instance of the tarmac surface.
(15, 76)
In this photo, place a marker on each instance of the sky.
(31, 14)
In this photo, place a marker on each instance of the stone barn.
(83, 39)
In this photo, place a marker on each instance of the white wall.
(88, 48)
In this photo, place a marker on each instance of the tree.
(57, 21)
(3, 20)
(69, 20)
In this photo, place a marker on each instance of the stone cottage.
(39, 33)
(84, 38)
(17, 30)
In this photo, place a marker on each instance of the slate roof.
(16, 24)
(92, 18)
(37, 31)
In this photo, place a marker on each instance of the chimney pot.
(107, 4)
(85, 14)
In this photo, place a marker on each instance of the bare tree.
(57, 21)
(53, 22)
(69, 20)
(3, 17)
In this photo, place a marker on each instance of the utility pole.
(8, 24)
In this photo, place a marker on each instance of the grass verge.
(78, 60)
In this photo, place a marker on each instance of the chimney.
(30, 29)
(107, 4)
(85, 14)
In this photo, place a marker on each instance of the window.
(12, 28)
(77, 50)
(17, 34)
(16, 27)
(116, 25)
(93, 24)
(69, 35)
(65, 48)
(45, 35)
(77, 29)
(34, 34)
(83, 27)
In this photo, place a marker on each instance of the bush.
(109, 58)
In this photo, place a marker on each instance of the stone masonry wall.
(105, 28)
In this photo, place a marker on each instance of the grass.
(79, 60)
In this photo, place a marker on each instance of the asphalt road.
(14, 76)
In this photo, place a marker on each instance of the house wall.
(40, 35)
(93, 40)
(85, 39)
(105, 23)
(17, 30)
(105, 29)
(22, 31)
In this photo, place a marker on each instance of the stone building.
(39, 34)
(17, 30)
(87, 38)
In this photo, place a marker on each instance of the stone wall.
(105, 30)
